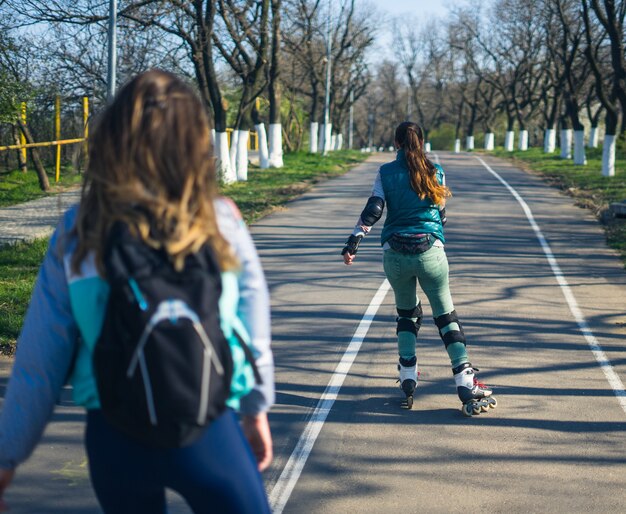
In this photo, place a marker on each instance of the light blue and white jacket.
(64, 320)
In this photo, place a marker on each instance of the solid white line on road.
(596, 349)
(289, 477)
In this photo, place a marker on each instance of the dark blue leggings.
(216, 474)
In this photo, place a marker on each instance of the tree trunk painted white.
(242, 154)
(276, 145)
(339, 142)
(593, 138)
(579, 148)
(222, 154)
(261, 137)
(608, 156)
(509, 140)
(213, 141)
(234, 136)
(320, 138)
(489, 141)
(328, 137)
(313, 137)
(469, 143)
(427, 146)
(549, 141)
(523, 140)
(457, 146)
(566, 144)
(333, 142)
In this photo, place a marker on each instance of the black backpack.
(162, 364)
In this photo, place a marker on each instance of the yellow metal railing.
(23, 146)
(253, 140)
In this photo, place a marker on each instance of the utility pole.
(351, 120)
(112, 43)
(327, 127)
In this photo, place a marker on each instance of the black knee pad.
(452, 336)
(405, 321)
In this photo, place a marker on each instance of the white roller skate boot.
(476, 396)
(408, 380)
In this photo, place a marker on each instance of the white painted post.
(224, 168)
(489, 141)
(339, 142)
(328, 137)
(313, 130)
(264, 161)
(457, 146)
(242, 154)
(523, 140)
(320, 138)
(234, 136)
(579, 148)
(566, 144)
(469, 143)
(593, 138)
(608, 156)
(509, 140)
(549, 141)
(276, 145)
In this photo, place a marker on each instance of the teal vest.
(406, 212)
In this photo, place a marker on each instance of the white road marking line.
(605, 364)
(289, 477)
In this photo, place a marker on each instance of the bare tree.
(602, 60)
(352, 34)
(611, 14)
(274, 89)
(423, 53)
(575, 68)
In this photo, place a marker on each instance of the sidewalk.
(34, 219)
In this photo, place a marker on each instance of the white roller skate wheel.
(467, 409)
(493, 403)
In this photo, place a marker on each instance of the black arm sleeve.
(373, 210)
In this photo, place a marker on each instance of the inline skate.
(475, 396)
(408, 380)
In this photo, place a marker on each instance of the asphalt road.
(556, 441)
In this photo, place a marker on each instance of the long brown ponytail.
(422, 172)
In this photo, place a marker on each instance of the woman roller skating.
(414, 191)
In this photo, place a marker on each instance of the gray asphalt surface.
(34, 219)
(554, 444)
(556, 441)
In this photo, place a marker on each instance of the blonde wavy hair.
(422, 172)
(151, 167)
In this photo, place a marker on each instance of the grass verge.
(267, 190)
(584, 183)
(19, 265)
(264, 192)
(17, 187)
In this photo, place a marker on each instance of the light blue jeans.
(430, 269)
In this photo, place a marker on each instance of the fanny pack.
(411, 244)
